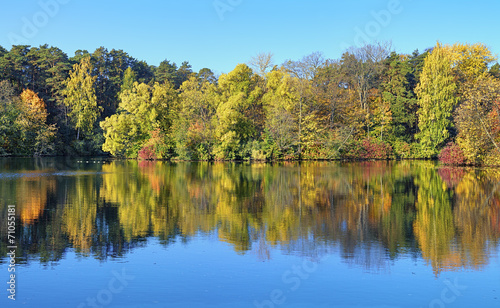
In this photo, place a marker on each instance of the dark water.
(94, 233)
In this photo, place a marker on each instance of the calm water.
(97, 233)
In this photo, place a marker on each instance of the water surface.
(318, 234)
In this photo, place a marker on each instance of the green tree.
(183, 73)
(206, 74)
(109, 69)
(495, 70)
(166, 71)
(10, 131)
(15, 67)
(437, 97)
(397, 93)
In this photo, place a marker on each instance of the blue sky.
(219, 34)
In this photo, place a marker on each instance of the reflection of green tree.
(396, 225)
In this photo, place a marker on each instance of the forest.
(372, 103)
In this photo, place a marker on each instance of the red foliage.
(451, 175)
(451, 154)
(369, 149)
(147, 153)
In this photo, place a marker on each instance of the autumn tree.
(362, 67)
(343, 115)
(129, 77)
(239, 112)
(437, 97)
(478, 92)
(194, 126)
(477, 120)
(311, 112)
(282, 121)
(81, 98)
(141, 111)
(37, 134)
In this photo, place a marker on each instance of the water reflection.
(370, 212)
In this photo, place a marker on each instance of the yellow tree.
(197, 107)
(142, 110)
(478, 95)
(282, 122)
(81, 98)
(239, 111)
(470, 61)
(476, 136)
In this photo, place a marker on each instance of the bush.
(147, 153)
(229, 147)
(368, 149)
(402, 149)
(451, 154)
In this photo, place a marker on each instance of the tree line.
(372, 103)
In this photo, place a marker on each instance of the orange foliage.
(34, 201)
(36, 106)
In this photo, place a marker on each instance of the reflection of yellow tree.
(433, 227)
(79, 216)
(192, 198)
(234, 187)
(123, 184)
(296, 206)
(476, 200)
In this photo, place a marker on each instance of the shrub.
(402, 149)
(368, 149)
(451, 154)
(147, 153)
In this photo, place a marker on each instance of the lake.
(111, 233)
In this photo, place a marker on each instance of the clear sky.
(219, 34)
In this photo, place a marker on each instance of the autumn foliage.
(147, 153)
(371, 103)
(452, 155)
(369, 148)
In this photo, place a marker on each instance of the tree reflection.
(372, 212)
